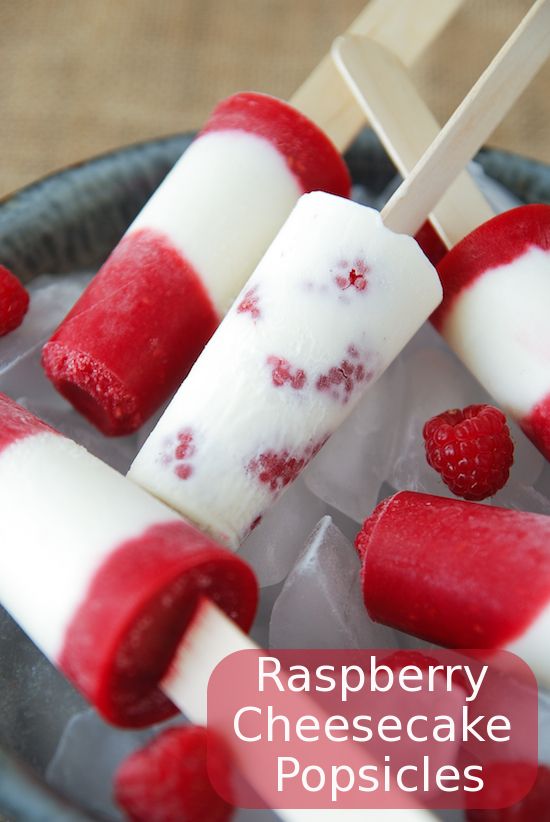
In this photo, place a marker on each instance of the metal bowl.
(67, 222)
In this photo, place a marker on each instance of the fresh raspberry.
(167, 780)
(14, 301)
(535, 807)
(471, 449)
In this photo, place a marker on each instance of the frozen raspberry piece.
(471, 449)
(282, 373)
(354, 277)
(340, 380)
(535, 807)
(167, 780)
(279, 468)
(14, 301)
(250, 303)
(185, 450)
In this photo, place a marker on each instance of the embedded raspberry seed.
(471, 449)
(14, 301)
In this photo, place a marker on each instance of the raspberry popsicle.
(496, 285)
(334, 299)
(460, 574)
(104, 578)
(496, 281)
(133, 335)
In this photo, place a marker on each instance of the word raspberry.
(167, 780)
(14, 301)
(471, 449)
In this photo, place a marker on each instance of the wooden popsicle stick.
(210, 638)
(476, 117)
(404, 26)
(383, 88)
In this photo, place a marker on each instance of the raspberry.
(535, 807)
(167, 780)
(471, 449)
(14, 301)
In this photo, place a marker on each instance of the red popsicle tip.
(14, 301)
(499, 241)
(17, 422)
(455, 573)
(133, 335)
(167, 780)
(123, 636)
(308, 152)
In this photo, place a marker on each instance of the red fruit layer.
(140, 602)
(16, 423)
(455, 573)
(309, 154)
(14, 301)
(535, 807)
(132, 336)
(431, 243)
(167, 780)
(537, 426)
(497, 242)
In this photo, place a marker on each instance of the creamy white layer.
(55, 530)
(223, 229)
(533, 646)
(335, 298)
(499, 327)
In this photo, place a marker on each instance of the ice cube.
(83, 766)
(522, 498)
(348, 472)
(260, 628)
(321, 605)
(274, 544)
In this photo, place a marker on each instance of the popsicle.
(496, 283)
(104, 578)
(133, 604)
(131, 338)
(334, 299)
(460, 574)
(497, 328)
